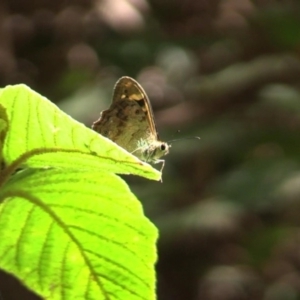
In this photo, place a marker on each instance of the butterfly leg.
(162, 161)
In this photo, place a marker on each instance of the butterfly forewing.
(128, 88)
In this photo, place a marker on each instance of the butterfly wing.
(129, 119)
(127, 88)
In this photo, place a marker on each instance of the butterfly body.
(129, 122)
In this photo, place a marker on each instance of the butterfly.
(129, 122)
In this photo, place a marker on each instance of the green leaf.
(70, 228)
(67, 240)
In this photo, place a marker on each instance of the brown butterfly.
(129, 122)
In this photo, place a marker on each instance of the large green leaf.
(70, 228)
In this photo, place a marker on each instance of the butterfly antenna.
(186, 138)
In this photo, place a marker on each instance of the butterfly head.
(152, 152)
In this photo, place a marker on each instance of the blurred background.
(228, 209)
